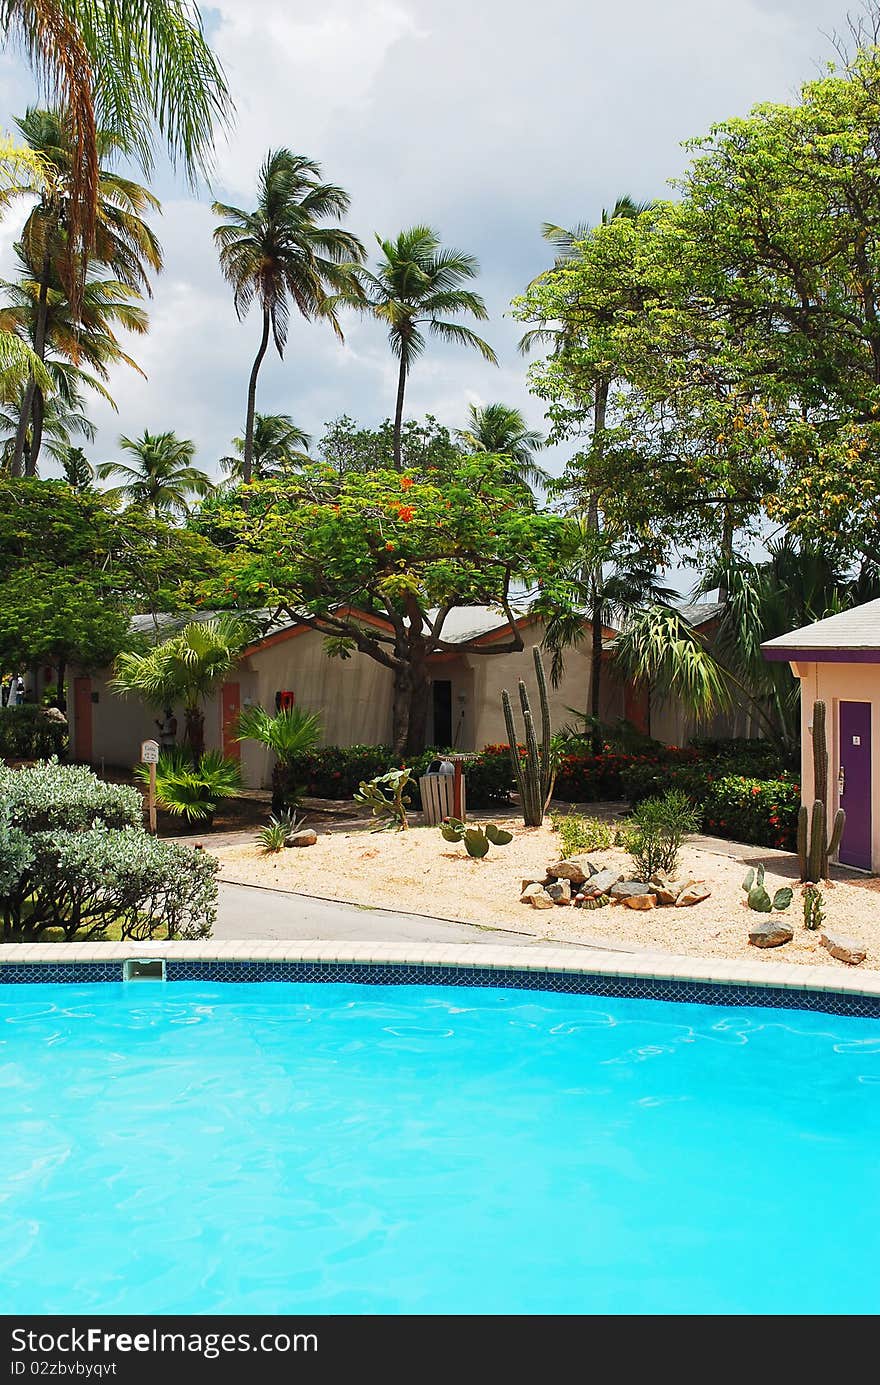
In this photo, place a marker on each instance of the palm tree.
(281, 254)
(500, 429)
(187, 668)
(278, 444)
(79, 350)
(612, 581)
(161, 479)
(290, 733)
(62, 417)
(136, 69)
(795, 586)
(417, 287)
(122, 241)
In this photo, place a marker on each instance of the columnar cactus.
(534, 775)
(813, 844)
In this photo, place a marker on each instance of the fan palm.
(278, 444)
(187, 668)
(290, 733)
(161, 479)
(500, 429)
(138, 69)
(122, 241)
(282, 254)
(415, 289)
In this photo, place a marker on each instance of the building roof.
(850, 637)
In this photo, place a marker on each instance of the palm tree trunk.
(248, 459)
(726, 553)
(398, 415)
(596, 614)
(27, 402)
(38, 410)
(194, 731)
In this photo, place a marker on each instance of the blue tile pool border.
(574, 981)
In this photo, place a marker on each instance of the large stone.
(693, 893)
(540, 880)
(640, 901)
(560, 893)
(600, 883)
(530, 888)
(771, 932)
(305, 838)
(628, 889)
(541, 900)
(844, 949)
(666, 889)
(575, 870)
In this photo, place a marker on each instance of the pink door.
(230, 706)
(82, 719)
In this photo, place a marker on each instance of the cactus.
(814, 845)
(476, 839)
(534, 774)
(814, 914)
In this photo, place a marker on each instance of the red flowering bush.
(762, 811)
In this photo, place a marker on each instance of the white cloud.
(483, 119)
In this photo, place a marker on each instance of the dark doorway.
(442, 692)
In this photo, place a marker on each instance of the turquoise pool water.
(335, 1148)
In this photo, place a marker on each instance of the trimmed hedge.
(336, 771)
(26, 733)
(728, 781)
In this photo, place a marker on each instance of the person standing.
(167, 730)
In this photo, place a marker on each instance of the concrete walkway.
(251, 912)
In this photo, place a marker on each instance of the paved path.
(248, 911)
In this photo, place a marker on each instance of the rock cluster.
(577, 882)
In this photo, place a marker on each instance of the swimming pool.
(345, 1148)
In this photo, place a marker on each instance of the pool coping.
(494, 957)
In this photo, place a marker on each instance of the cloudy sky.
(482, 118)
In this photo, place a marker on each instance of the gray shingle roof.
(858, 628)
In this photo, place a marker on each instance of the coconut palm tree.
(415, 289)
(187, 668)
(141, 69)
(278, 445)
(79, 350)
(161, 479)
(63, 417)
(795, 586)
(610, 580)
(500, 429)
(122, 241)
(283, 254)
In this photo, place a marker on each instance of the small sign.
(857, 740)
(150, 753)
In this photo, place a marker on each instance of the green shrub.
(762, 811)
(577, 834)
(26, 733)
(193, 790)
(81, 862)
(336, 771)
(660, 826)
(50, 797)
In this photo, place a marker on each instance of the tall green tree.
(140, 70)
(161, 478)
(77, 351)
(122, 241)
(426, 446)
(416, 288)
(278, 444)
(287, 253)
(503, 430)
(401, 550)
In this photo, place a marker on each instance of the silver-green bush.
(74, 857)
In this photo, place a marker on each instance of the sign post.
(150, 756)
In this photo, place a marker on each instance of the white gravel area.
(417, 871)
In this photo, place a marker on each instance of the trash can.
(437, 789)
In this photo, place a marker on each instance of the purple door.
(855, 770)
